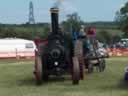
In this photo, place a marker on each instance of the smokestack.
(54, 20)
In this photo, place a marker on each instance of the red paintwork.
(117, 52)
(40, 41)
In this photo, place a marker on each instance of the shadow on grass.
(32, 81)
(26, 82)
(121, 85)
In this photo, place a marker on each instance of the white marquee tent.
(16, 48)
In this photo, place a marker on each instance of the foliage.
(26, 32)
(103, 25)
(104, 36)
(122, 19)
(72, 24)
(108, 37)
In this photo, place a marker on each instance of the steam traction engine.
(53, 57)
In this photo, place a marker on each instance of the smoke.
(57, 3)
(65, 5)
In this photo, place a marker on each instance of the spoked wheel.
(76, 71)
(91, 62)
(78, 52)
(38, 71)
(90, 68)
(45, 74)
(82, 68)
(102, 65)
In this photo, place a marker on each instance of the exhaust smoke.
(65, 5)
(57, 3)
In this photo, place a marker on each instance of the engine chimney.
(54, 20)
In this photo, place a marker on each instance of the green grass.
(17, 79)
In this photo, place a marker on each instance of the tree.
(104, 36)
(72, 24)
(122, 19)
(107, 37)
(7, 32)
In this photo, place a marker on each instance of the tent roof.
(14, 40)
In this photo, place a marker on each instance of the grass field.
(16, 79)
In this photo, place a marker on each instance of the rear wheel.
(78, 52)
(76, 71)
(38, 72)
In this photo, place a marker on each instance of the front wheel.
(90, 68)
(102, 65)
(76, 71)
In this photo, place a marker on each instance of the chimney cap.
(54, 10)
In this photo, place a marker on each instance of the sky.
(17, 11)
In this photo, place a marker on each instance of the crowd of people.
(123, 43)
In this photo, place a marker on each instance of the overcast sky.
(16, 11)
